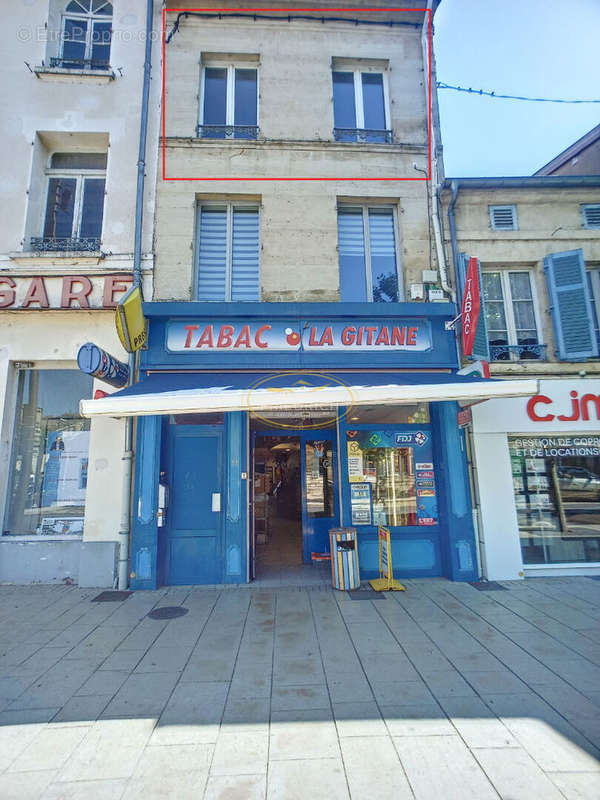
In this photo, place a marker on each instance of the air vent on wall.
(503, 218)
(591, 215)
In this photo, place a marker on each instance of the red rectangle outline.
(289, 10)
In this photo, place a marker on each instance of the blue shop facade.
(264, 458)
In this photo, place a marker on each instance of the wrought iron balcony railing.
(48, 244)
(79, 63)
(517, 352)
(227, 131)
(362, 135)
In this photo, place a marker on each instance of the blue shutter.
(245, 272)
(481, 346)
(212, 255)
(570, 306)
(351, 247)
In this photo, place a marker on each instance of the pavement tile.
(307, 778)
(419, 720)
(373, 769)
(192, 715)
(290, 698)
(310, 733)
(103, 682)
(577, 785)
(142, 695)
(49, 750)
(515, 774)
(246, 714)
(496, 682)
(14, 738)
(442, 767)
(169, 785)
(398, 693)
(122, 660)
(447, 683)
(86, 790)
(234, 787)
(358, 719)
(477, 725)
(85, 708)
(25, 785)
(240, 753)
(157, 760)
(164, 659)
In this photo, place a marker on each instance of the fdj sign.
(294, 336)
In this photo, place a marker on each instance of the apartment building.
(72, 99)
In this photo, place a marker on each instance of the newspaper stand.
(385, 582)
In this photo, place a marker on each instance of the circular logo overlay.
(296, 396)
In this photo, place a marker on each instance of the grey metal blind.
(245, 256)
(381, 233)
(351, 232)
(212, 254)
(503, 218)
(78, 161)
(351, 246)
(591, 215)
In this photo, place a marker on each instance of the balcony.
(79, 63)
(368, 135)
(517, 352)
(47, 244)
(227, 131)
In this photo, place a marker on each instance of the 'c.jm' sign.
(538, 408)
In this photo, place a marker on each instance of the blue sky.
(538, 48)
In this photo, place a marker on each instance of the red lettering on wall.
(207, 337)
(411, 339)
(585, 401)
(7, 296)
(384, 336)
(398, 335)
(348, 335)
(225, 336)
(370, 329)
(36, 294)
(532, 413)
(258, 341)
(70, 291)
(243, 338)
(574, 410)
(327, 337)
(114, 284)
(190, 332)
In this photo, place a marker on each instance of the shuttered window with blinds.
(503, 218)
(368, 254)
(590, 213)
(228, 247)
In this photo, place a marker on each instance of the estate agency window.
(49, 461)
(556, 483)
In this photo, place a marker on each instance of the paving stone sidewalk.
(444, 691)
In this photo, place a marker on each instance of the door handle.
(216, 501)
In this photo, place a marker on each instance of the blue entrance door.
(194, 517)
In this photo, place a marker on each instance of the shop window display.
(556, 481)
(49, 461)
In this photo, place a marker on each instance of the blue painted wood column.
(236, 491)
(460, 553)
(144, 528)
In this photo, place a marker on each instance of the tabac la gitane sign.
(470, 307)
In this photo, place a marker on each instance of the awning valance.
(192, 393)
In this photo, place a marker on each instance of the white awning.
(193, 393)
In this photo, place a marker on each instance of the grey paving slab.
(25, 785)
(577, 785)
(103, 682)
(244, 787)
(142, 695)
(182, 785)
(358, 719)
(442, 766)
(303, 734)
(300, 779)
(398, 693)
(246, 714)
(291, 698)
(476, 723)
(373, 769)
(50, 749)
(416, 720)
(83, 708)
(515, 775)
(85, 790)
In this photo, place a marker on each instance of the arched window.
(86, 34)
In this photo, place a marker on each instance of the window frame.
(231, 67)
(513, 207)
(79, 175)
(90, 18)
(583, 208)
(594, 285)
(230, 207)
(509, 315)
(365, 207)
(359, 106)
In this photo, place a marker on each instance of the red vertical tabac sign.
(470, 307)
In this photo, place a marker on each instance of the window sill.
(35, 538)
(295, 144)
(97, 76)
(58, 258)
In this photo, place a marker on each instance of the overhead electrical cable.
(482, 92)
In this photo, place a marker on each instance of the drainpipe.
(455, 186)
(124, 528)
(435, 182)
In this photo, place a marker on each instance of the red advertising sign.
(470, 307)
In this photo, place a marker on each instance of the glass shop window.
(49, 460)
(556, 483)
(392, 474)
(413, 414)
(319, 478)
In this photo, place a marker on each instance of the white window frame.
(90, 18)
(594, 273)
(79, 175)
(507, 298)
(365, 216)
(230, 207)
(359, 105)
(583, 207)
(513, 209)
(231, 67)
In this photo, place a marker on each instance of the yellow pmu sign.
(130, 321)
(386, 582)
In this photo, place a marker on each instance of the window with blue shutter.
(570, 306)
(368, 255)
(228, 265)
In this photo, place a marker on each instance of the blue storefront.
(354, 403)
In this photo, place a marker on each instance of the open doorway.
(277, 503)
